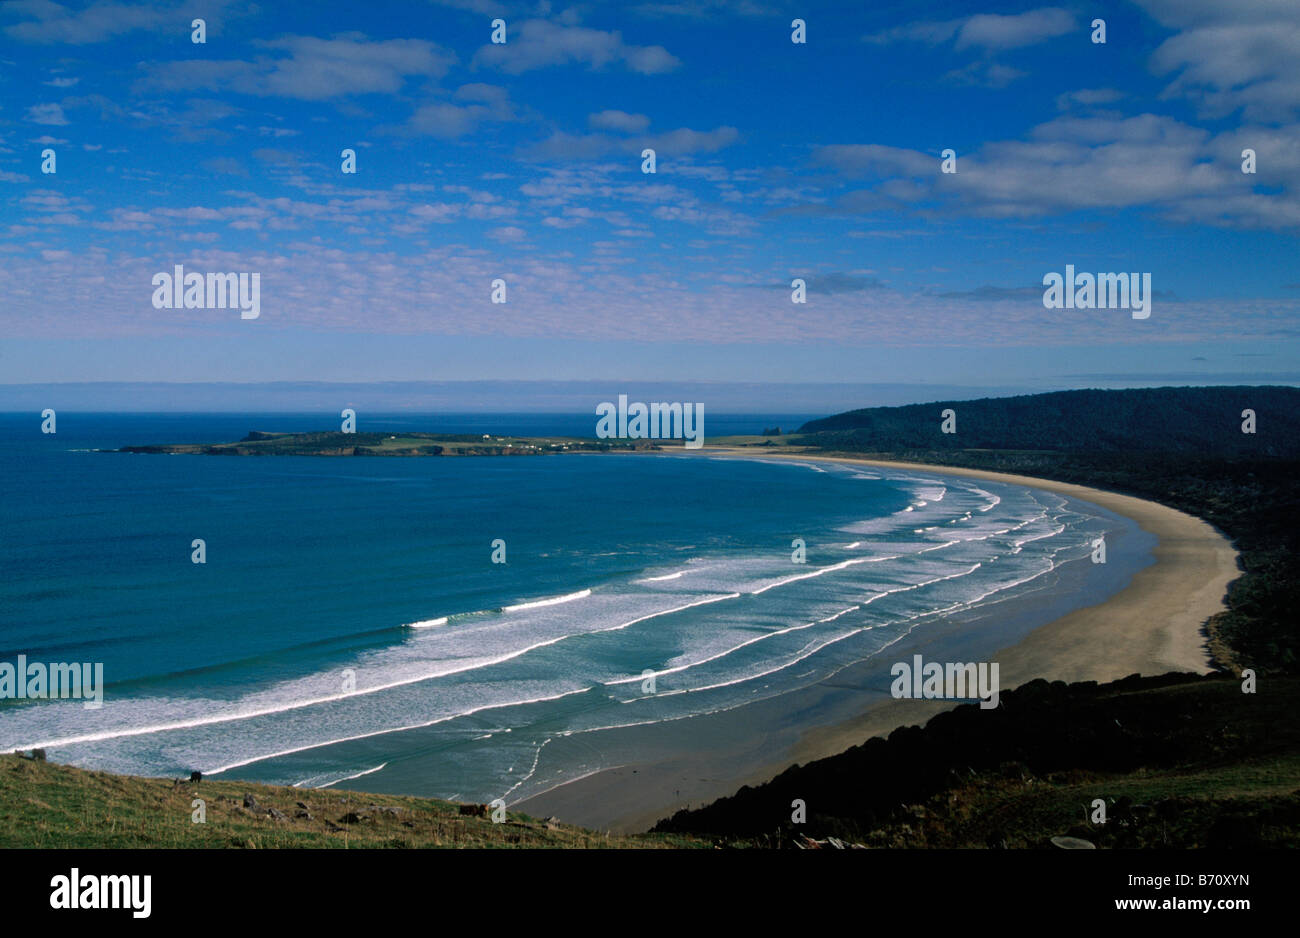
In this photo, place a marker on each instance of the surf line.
(532, 604)
(553, 601)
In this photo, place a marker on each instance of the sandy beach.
(1152, 626)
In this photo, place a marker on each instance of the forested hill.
(1202, 421)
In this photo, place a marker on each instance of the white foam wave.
(348, 778)
(820, 571)
(427, 623)
(552, 601)
(669, 576)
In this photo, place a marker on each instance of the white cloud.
(441, 291)
(311, 69)
(1087, 98)
(989, 32)
(673, 143)
(993, 32)
(50, 22)
(507, 234)
(1072, 163)
(51, 114)
(440, 212)
(540, 43)
(874, 159)
(1241, 56)
(619, 121)
(472, 105)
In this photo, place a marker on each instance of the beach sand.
(1152, 626)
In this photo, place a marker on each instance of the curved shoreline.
(1151, 626)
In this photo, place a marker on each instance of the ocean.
(349, 624)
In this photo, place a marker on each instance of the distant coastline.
(337, 443)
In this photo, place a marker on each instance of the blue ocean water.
(349, 622)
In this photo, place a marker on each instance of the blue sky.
(775, 161)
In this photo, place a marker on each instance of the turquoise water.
(349, 622)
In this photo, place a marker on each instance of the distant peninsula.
(337, 443)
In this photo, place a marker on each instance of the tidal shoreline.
(1151, 626)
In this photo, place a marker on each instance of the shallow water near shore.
(349, 626)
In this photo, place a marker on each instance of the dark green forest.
(1171, 420)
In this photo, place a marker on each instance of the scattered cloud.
(674, 143)
(470, 106)
(540, 43)
(48, 22)
(619, 121)
(51, 114)
(310, 69)
(837, 282)
(1147, 160)
(985, 32)
(1087, 98)
(224, 165)
(1231, 57)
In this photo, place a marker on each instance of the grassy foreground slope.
(47, 805)
(1181, 761)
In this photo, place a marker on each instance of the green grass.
(1175, 809)
(45, 805)
(1181, 761)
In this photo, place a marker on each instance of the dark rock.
(38, 755)
(277, 814)
(1234, 832)
(251, 803)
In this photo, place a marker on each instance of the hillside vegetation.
(1196, 421)
(1179, 761)
(48, 805)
